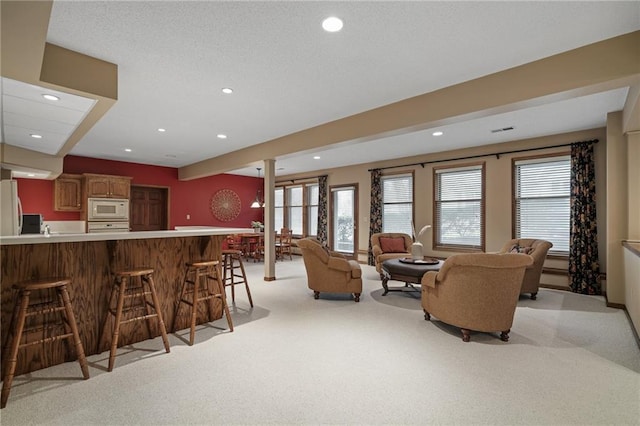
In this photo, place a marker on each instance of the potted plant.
(257, 225)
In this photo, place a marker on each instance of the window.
(397, 203)
(296, 208)
(542, 193)
(278, 205)
(459, 207)
(312, 209)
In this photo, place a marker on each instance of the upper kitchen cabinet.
(107, 186)
(68, 193)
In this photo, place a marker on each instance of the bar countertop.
(109, 236)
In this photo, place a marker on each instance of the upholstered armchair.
(476, 291)
(329, 271)
(389, 245)
(538, 250)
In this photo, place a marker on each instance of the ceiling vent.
(504, 129)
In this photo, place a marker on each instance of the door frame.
(332, 188)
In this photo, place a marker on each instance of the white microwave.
(112, 209)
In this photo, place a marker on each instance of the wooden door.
(149, 208)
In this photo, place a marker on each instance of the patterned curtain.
(375, 216)
(584, 266)
(322, 209)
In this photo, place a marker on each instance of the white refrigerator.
(10, 208)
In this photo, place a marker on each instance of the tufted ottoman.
(406, 270)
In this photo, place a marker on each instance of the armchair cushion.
(518, 249)
(392, 245)
(394, 238)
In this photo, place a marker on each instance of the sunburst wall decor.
(225, 205)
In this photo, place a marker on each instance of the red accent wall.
(191, 197)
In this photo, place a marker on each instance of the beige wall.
(631, 261)
(498, 190)
(633, 180)
(617, 207)
(631, 265)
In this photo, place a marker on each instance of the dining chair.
(283, 243)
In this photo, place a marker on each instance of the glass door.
(344, 219)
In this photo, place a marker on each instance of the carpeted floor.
(296, 360)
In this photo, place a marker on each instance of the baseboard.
(554, 271)
(633, 329)
(554, 287)
(626, 312)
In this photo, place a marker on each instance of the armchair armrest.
(429, 279)
(339, 263)
(336, 254)
(376, 250)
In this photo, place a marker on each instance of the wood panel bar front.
(90, 265)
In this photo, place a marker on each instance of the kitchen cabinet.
(107, 186)
(68, 193)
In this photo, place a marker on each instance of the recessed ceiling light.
(332, 24)
(438, 133)
(162, 130)
(51, 97)
(30, 174)
(316, 157)
(221, 136)
(227, 90)
(36, 136)
(127, 149)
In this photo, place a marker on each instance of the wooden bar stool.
(45, 307)
(202, 282)
(234, 273)
(134, 287)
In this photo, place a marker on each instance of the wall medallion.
(225, 205)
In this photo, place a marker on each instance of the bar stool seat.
(234, 273)
(26, 307)
(202, 282)
(134, 286)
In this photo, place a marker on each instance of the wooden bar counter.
(89, 260)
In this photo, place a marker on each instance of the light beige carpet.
(296, 360)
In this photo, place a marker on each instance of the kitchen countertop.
(110, 236)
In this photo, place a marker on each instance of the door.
(344, 214)
(149, 208)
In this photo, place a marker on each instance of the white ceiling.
(25, 113)
(289, 75)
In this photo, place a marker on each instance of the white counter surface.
(110, 236)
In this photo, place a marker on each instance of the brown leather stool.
(204, 278)
(232, 262)
(44, 308)
(134, 286)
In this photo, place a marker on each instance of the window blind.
(459, 207)
(542, 201)
(397, 203)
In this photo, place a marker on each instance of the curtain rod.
(300, 179)
(497, 154)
